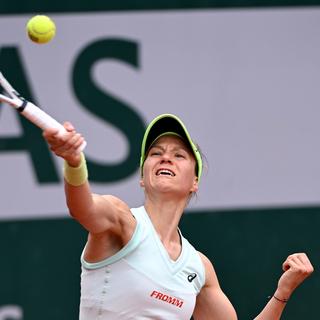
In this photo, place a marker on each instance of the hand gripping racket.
(30, 110)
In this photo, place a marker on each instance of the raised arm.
(297, 268)
(211, 302)
(97, 213)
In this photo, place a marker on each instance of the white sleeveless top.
(141, 281)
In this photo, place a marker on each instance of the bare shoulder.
(204, 258)
(211, 277)
(206, 261)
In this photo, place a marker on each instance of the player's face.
(170, 166)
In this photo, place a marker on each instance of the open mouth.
(165, 172)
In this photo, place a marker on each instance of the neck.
(165, 216)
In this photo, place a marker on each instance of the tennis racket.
(29, 110)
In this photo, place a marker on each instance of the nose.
(166, 158)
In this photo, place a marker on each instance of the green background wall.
(40, 260)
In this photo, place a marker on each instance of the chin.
(170, 188)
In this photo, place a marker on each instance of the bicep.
(212, 303)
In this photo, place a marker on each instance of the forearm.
(94, 212)
(85, 207)
(78, 194)
(79, 200)
(274, 308)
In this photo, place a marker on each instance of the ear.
(195, 185)
(141, 182)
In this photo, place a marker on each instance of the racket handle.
(44, 121)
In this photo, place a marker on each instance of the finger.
(305, 262)
(67, 144)
(78, 143)
(68, 126)
(291, 262)
(74, 142)
(56, 139)
(50, 132)
(298, 263)
(62, 151)
(301, 259)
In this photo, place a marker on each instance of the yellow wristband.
(76, 176)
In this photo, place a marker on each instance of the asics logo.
(191, 277)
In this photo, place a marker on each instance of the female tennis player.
(136, 263)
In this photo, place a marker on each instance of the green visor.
(166, 124)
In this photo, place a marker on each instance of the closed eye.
(155, 153)
(179, 155)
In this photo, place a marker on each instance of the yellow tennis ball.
(41, 29)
